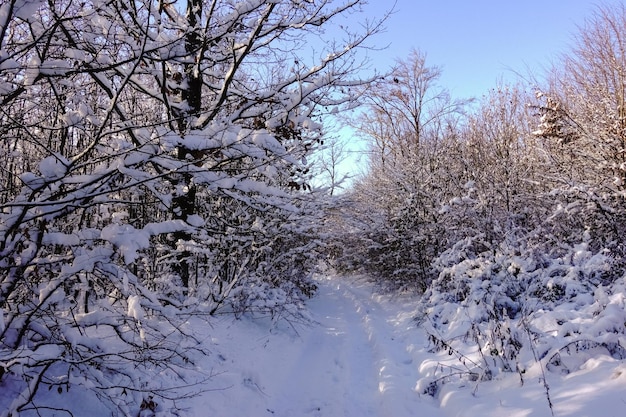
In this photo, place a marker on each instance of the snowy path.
(364, 357)
(352, 364)
(356, 362)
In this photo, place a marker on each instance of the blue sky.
(477, 42)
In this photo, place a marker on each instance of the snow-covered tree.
(541, 227)
(155, 156)
(583, 127)
(411, 124)
(502, 163)
(583, 104)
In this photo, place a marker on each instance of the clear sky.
(477, 42)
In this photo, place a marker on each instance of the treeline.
(507, 215)
(532, 168)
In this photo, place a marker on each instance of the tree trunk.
(184, 203)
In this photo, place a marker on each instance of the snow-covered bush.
(394, 249)
(584, 214)
(102, 336)
(500, 311)
(391, 226)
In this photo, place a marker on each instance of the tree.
(502, 169)
(582, 124)
(407, 108)
(541, 223)
(411, 124)
(328, 165)
(154, 158)
(583, 105)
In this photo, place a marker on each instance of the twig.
(543, 372)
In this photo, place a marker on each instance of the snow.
(348, 361)
(55, 67)
(23, 9)
(358, 353)
(134, 308)
(32, 71)
(363, 355)
(127, 239)
(53, 167)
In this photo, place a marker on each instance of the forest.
(162, 160)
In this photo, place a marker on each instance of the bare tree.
(333, 164)
(407, 107)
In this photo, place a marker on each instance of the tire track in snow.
(327, 378)
(397, 368)
(357, 362)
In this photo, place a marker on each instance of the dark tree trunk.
(184, 203)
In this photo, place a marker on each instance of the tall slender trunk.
(184, 202)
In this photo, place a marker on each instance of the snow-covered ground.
(356, 360)
(364, 356)
(361, 354)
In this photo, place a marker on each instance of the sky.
(476, 43)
